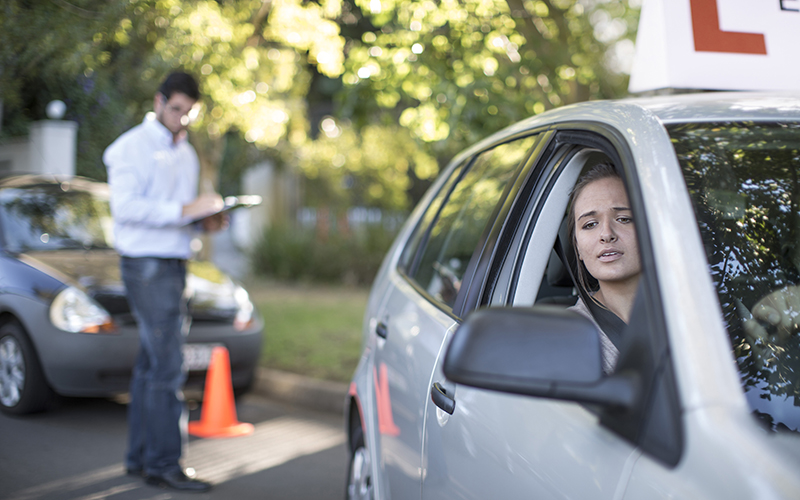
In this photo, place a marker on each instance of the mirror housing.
(541, 351)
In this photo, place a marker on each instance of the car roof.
(690, 107)
(729, 106)
(664, 109)
(66, 182)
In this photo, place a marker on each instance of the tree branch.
(259, 20)
(72, 9)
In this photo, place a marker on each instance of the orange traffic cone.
(218, 416)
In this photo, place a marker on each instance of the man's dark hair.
(180, 82)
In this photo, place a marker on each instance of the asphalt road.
(75, 451)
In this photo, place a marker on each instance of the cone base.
(207, 431)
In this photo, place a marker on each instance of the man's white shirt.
(151, 179)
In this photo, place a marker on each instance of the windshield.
(48, 218)
(743, 181)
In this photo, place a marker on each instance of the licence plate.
(197, 356)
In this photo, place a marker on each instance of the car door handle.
(441, 399)
(381, 330)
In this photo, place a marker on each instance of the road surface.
(75, 451)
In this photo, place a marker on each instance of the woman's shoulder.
(610, 351)
(580, 308)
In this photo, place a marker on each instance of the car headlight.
(244, 309)
(74, 311)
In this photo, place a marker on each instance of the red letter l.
(708, 37)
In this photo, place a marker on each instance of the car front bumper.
(99, 365)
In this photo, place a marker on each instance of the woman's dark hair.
(180, 82)
(600, 171)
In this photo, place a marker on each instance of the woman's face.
(605, 233)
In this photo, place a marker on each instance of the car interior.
(558, 286)
(559, 265)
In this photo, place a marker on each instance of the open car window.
(533, 285)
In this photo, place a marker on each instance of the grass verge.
(311, 330)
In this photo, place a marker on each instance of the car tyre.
(23, 388)
(359, 474)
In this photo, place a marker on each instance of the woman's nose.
(607, 235)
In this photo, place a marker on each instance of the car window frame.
(501, 231)
(656, 426)
(459, 171)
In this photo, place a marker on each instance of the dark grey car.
(65, 324)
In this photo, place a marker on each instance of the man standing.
(153, 175)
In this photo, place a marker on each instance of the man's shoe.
(177, 480)
(133, 471)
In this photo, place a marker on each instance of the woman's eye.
(589, 225)
(625, 220)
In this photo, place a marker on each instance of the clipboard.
(232, 203)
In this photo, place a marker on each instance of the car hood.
(97, 272)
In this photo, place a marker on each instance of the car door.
(418, 308)
(503, 445)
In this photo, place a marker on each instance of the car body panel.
(727, 457)
(107, 359)
(478, 447)
(363, 391)
(403, 365)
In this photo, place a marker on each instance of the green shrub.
(301, 254)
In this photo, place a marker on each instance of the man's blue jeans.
(156, 415)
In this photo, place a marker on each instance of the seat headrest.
(557, 271)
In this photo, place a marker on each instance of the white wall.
(14, 156)
(52, 147)
(49, 149)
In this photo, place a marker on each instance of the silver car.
(476, 381)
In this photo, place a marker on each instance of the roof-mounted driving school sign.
(717, 45)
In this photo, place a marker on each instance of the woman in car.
(603, 235)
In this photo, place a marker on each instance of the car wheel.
(22, 385)
(359, 481)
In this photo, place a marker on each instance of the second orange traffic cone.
(218, 415)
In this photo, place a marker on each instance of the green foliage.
(312, 330)
(371, 167)
(408, 83)
(105, 59)
(295, 254)
(48, 51)
(460, 70)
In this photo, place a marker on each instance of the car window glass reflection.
(427, 219)
(40, 220)
(743, 182)
(463, 218)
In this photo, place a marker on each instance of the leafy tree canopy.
(368, 97)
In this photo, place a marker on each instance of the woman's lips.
(609, 255)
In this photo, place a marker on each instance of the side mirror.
(541, 351)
